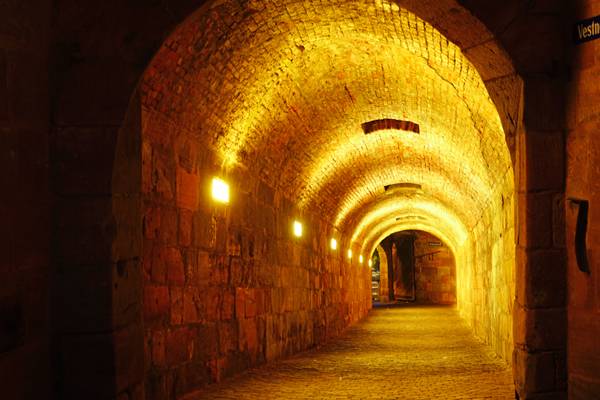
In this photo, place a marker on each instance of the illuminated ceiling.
(283, 88)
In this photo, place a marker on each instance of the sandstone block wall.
(227, 287)
(486, 273)
(435, 271)
(583, 157)
(25, 221)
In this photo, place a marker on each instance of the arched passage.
(427, 262)
(270, 180)
(277, 106)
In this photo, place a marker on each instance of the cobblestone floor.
(396, 353)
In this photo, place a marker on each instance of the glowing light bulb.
(333, 244)
(360, 259)
(297, 229)
(220, 190)
(349, 253)
(370, 263)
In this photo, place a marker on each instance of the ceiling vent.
(386, 124)
(411, 217)
(402, 186)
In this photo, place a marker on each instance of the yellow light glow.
(349, 253)
(333, 244)
(370, 263)
(419, 208)
(297, 229)
(374, 238)
(220, 190)
(361, 259)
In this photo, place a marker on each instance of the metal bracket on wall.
(580, 234)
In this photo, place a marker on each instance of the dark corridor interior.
(414, 266)
(399, 249)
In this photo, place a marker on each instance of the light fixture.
(370, 263)
(349, 253)
(360, 259)
(297, 229)
(333, 244)
(220, 190)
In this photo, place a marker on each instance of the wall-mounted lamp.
(370, 263)
(361, 259)
(349, 253)
(333, 244)
(220, 190)
(297, 229)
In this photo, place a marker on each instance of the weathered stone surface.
(369, 362)
(246, 96)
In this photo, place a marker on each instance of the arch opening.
(421, 270)
(278, 114)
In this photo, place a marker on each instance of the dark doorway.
(399, 248)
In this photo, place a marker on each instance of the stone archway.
(501, 83)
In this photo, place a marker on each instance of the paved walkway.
(397, 353)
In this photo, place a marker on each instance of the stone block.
(541, 278)
(156, 303)
(535, 220)
(87, 229)
(158, 349)
(582, 388)
(185, 228)
(168, 226)
(204, 268)
(146, 177)
(158, 261)
(188, 186)
(177, 307)
(151, 222)
(204, 231)
(83, 298)
(4, 99)
(193, 376)
(129, 357)
(491, 60)
(240, 303)
(250, 303)
(540, 329)
(544, 103)
(175, 267)
(85, 158)
(193, 306)
(545, 160)
(212, 301)
(531, 40)
(178, 346)
(584, 343)
(206, 339)
(228, 337)
(126, 292)
(248, 335)
(227, 305)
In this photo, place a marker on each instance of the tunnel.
(322, 122)
(287, 199)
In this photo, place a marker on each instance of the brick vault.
(326, 122)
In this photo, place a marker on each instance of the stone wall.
(435, 270)
(384, 285)
(227, 287)
(25, 205)
(583, 176)
(486, 273)
(99, 53)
